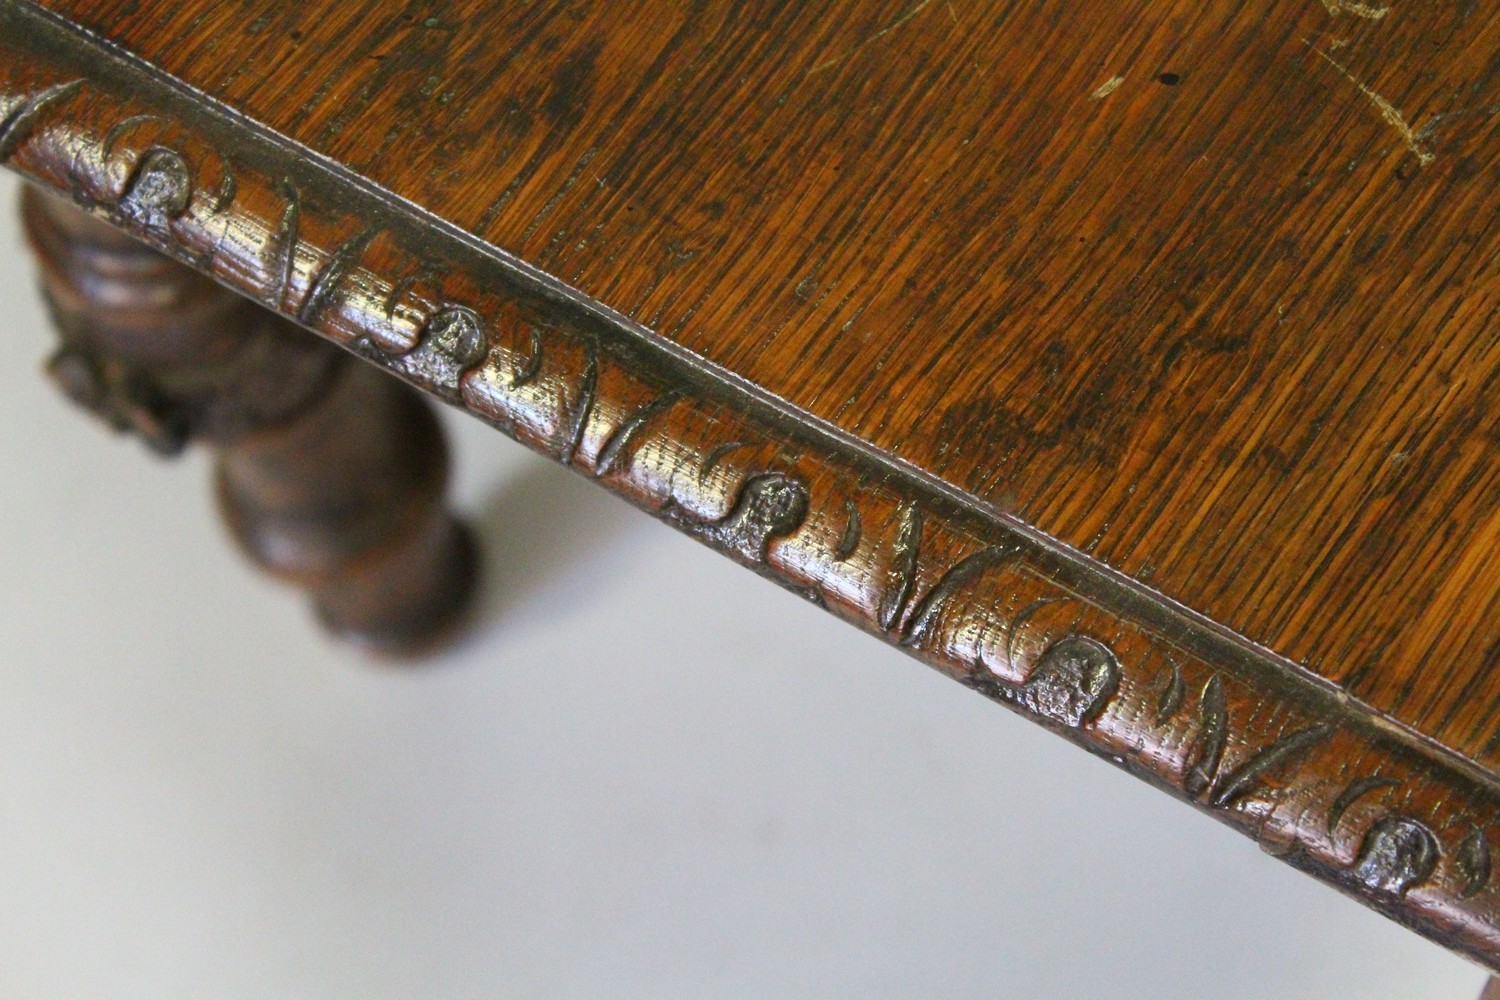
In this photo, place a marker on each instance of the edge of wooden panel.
(1321, 781)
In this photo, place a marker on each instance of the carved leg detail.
(331, 474)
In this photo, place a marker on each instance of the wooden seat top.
(1135, 363)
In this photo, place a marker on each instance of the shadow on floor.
(552, 541)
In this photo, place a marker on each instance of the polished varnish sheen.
(1180, 312)
(1205, 289)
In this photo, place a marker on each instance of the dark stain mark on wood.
(1073, 682)
(902, 577)
(325, 286)
(1244, 778)
(527, 371)
(1208, 750)
(17, 126)
(929, 610)
(1352, 794)
(619, 443)
(588, 385)
(1472, 859)
(853, 528)
(1398, 854)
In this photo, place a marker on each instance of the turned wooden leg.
(330, 473)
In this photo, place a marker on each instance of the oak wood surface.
(978, 322)
(1228, 327)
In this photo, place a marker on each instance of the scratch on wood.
(1109, 87)
(557, 197)
(1337, 7)
(899, 22)
(1427, 131)
(1387, 110)
(17, 126)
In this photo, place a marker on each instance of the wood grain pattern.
(966, 338)
(1248, 293)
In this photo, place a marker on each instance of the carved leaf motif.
(1356, 791)
(929, 609)
(620, 442)
(1213, 723)
(853, 529)
(1277, 755)
(281, 249)
(1398, 854)
(16, 127)
(903, 572)
(588, 387)
(717, 454)
(772, 505)
(1472, 859)
(1172, 695)
(158, 191)
(527, 371)
(452, 343)
(325, 286)
(1073, 682)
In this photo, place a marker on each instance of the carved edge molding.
(1318, 780)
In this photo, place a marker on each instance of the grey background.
(647, 773)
